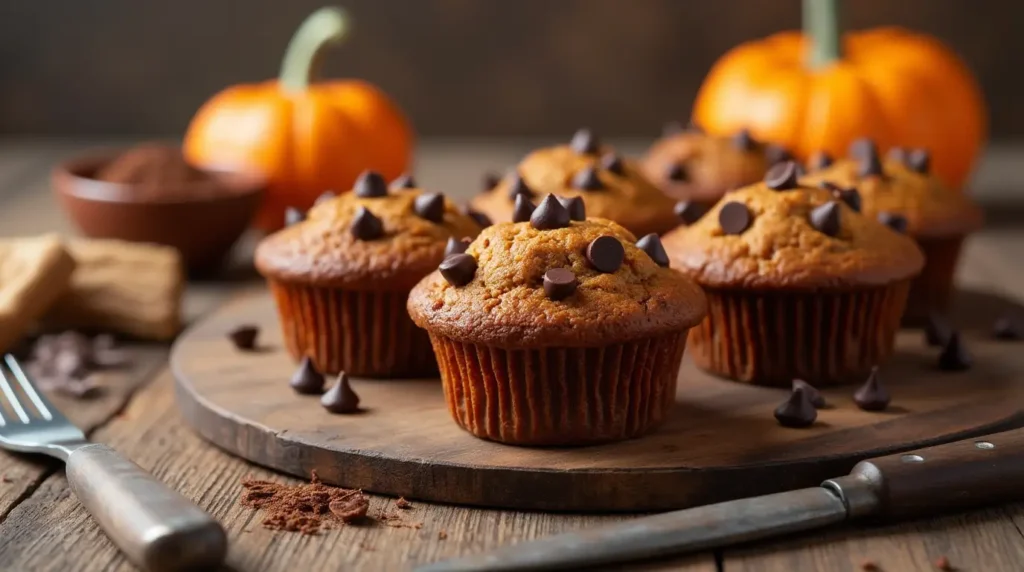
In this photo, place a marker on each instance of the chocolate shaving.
(304, 508)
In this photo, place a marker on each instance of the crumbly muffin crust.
(505, 303)
(783, 246)
(323, 250)
(624, 194)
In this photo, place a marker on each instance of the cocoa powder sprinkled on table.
(304, 508)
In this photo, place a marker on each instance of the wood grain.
(721, 441)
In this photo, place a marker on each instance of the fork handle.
(157, 528)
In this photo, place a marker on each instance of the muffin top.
(901, 185)
(610, 185)
(689, 164)
(554, 282)
(780, 234)
(370, 238)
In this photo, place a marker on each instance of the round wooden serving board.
(721, 442)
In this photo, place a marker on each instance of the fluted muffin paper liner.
(772, 338)
(932, 290)
(560, 396)
(363, 333)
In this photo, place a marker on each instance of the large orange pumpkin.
(305, 137)
(814, 91)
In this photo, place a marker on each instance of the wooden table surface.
(42, 526)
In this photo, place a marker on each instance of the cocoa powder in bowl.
(154, 170)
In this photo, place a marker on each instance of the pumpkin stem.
(821, 29)
(325, 26)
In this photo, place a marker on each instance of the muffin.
(558, 331)
(799, 285)
(690, 165)
(609, 185)
(341, 273)
(901, 192)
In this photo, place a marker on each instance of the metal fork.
(154, 526)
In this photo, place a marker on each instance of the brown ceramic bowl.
(202, 220)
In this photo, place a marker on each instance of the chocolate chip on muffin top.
(609, 185)
(785, 234)
(694, 166)
(566, 282)
(371, 237)
(899, 190)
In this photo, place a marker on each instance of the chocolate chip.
(490, 180)
(577, 209)
(897, 154)
(324, 197)
(651, 244)
(796, 411)
(677, 172)
(612, 163)
(819, 160)
(866, 153)
(782, 176)
(587, 180)
(1008, 328)
(307, 379)
(893, 221)
(825, 218)
(371, 185)
(244, 337)
(404, 182)
(549, 214)
(293, 215)
(341, 398)
(584, 142)
(478, 217)
(954, 356)
(559, 283)
(817, 399)
(523, 209)
(366, 225)
(872, 396)
(937, 330)
(429, 206)
(517, 186)
(606, 254)
(776, 154)
(743, 141)
(455, 246)
(919, 160)
(690, 211)
(458, 269)
(849, 196)
(734, 217)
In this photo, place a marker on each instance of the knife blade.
(969, 473)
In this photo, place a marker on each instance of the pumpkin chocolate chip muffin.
(341, 274)
(901, 192)
(609, 185)
(692, 166)
(799, 285)
(558, 331)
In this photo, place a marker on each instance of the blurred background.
(522, 68)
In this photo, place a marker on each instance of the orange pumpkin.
(304, 137)
(804, 92)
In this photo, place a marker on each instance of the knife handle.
(963, 474)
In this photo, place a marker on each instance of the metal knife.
(963, 474)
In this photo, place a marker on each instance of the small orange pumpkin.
(304, 137)
(813, 92)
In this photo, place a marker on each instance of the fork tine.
(12, 397)
(40, 402)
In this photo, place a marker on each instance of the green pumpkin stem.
(822, 30)
(327, 25)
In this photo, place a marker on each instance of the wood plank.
(50, 530)
(977, 541)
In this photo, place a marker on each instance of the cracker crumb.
(403, 504)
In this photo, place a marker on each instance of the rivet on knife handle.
(969, 473)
